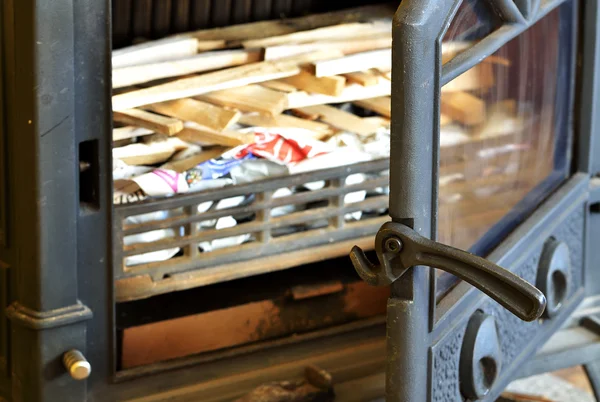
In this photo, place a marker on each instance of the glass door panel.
(504, 132)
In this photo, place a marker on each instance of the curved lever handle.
(399, 247)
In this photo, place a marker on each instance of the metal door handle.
(399, 247)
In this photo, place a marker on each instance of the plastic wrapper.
(284, 146)
(123, 171)
(162, 182)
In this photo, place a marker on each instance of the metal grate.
(265, 218)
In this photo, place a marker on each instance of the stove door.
(482, 160)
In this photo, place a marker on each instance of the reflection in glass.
(504, 136)
(474, 20)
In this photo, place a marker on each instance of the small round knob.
(77, 365)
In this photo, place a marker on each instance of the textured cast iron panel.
(445, 366)
(514, 334)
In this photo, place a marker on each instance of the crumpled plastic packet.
(252, 170)
(123, 171)
(285, 146)
(162, 182)
(214, 168)
(377, 145)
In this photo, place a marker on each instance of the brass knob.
(77, 365)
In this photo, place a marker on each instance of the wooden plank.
(502, 61)
(351, 93)
(196, 133)
(150, 153)
(380, 121)
(320, 130)
(206, 45)
(157, 123)
(464, 108)
(381, 105)
(188, 163)
(338, 32)
(332, 86)
(127, 132)
(132, 75)
(445, 120)
(385, 74)
(279, 85)
(234, 34)
(380, 59)
(205, 114)
(215, 81)
(347, 47)
(251, 98)
(339, 119)
(154, 51)
(480, 77)
(451, 49)
(364, 78)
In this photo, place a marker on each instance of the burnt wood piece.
(317, 387)
(288, 391)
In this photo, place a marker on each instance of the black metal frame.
(57, 272)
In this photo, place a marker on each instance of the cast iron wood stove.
(504, 168)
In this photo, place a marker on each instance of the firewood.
(206, 45)
(338, 32)
(235, 34)
(351, 93)
(279, 85)
(356, 62)
(186, 164)
(196, 133)
(347, 46)
(132, 75)
(206, 114)
(320, 130)
(251, 98)
(339, 119)
(364, 78)
(378, 120)
(219, 80)
(332, 86)
(381, 105)
(317, 387)
(157, 123)
(464, 108)
(451, 49)
(480, 77)
(502, 119)
(154, 51)
(498, 60)
(150, 153)
(128, 132)
(445, 120)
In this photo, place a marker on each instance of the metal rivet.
(393, 245)
(77, 365)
